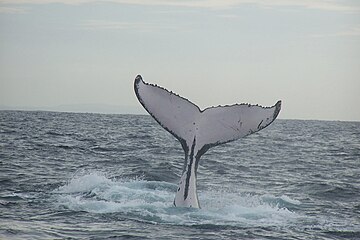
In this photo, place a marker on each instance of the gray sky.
(81, 52)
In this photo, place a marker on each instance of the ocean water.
(94, 176)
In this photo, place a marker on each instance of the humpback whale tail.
(198, 130)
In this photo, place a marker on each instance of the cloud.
(117, 25)
(351, 32)
(110, 25)
(12, 10)
(326, 5)
(45, 1)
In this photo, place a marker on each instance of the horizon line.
(136, 111)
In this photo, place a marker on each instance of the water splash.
(151, 201)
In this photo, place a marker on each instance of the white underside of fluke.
(198, 130)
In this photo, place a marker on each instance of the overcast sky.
(304, 52)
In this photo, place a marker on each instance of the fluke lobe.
(198, 130)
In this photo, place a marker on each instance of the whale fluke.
(198, 130)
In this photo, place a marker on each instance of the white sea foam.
(84, 183)
(150, 201)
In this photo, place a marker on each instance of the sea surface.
(97, 176)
